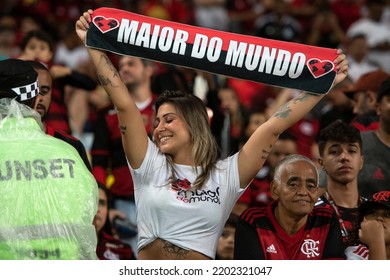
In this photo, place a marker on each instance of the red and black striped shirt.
(259, 236)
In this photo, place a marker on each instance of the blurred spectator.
(70, 52)
(375, 175)
(39, 45)
(232, 130)
(376, 32)
(69, 49)
(9, 20)
(172, 77)
(242, 14)
(253, 121)
(326, 31)
(172, 10)
(38, 7)
(155, 9)
(211, 14)
(304, 12)
(8, 29)
(7, 6)
(66, 10)
(253, 95)
(338, 106)
(181, 11)
(386, 14)
(109, 247)
(370, 239)
(357, 54)
(306, 131)
(30, 22)
(225, 247)
(278, 24)
(347, 11)
(364, 93)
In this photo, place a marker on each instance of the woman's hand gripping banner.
(271, 62)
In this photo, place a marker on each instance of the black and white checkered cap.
(19, 79)
(28, 91)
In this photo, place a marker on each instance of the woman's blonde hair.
(192, 111)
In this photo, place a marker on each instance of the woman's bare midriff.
(160, 249)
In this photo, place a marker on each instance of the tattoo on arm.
(173, 251)
(265, 153)
(108, 63)
(285, 110)
(105, 63)
(301, 97)
(123, 129)
(105, 81)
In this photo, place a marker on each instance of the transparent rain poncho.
(48, 195)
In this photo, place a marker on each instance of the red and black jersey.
(347, 216)
(58, 113)
(259, 236)
(366, 122)
(57, 116)
(110, 248)
(257, 193)
(305, 131)
(76, 143)
(107, 150)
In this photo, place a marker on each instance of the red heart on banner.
(319, 68)
(105, 24)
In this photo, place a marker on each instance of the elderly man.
(290, 228)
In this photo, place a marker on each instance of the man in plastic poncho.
(48, 196)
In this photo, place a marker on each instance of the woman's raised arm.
(256, 150)
(134, 136)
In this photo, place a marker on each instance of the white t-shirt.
(72, 58)
(190, 220)
(376, 33)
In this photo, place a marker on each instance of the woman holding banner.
(184, 193)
